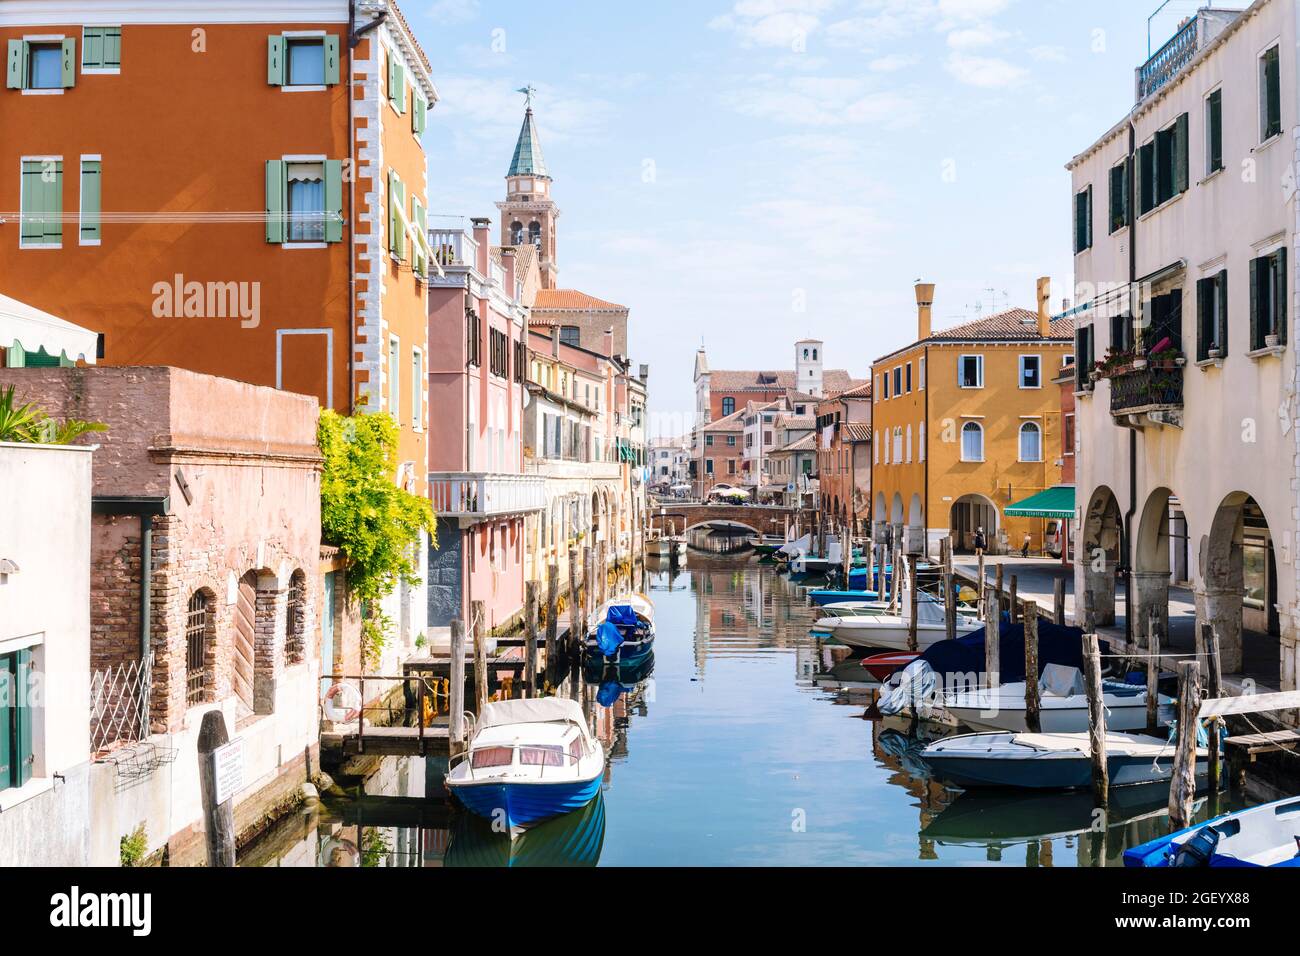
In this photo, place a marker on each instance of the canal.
(747, 745)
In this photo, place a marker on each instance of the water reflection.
(742, 740)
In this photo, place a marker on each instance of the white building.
(1184, 226)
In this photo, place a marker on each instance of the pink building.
(478, 358)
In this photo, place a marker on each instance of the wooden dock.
(434, 741)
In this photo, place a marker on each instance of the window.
(16, 719)
(1212, 316)
(708, 466)
(304, 201)
(970, 371)
(1214, 132)
(473, 339)
(898, 380)
(909, 444)
(42, 64)
(42, 203)
(101, 49)
(570, 335)
(1268, 299)
(1162, 166)
(535, 233)
(728, 407)
(1083, 220)
(396, 83)
(305, 62)
(1270, 95)
(1121, 332)
(419, 114)
(1084, 350)
(908, 377)
(516, 233)
(920, 442)
(1067, 435)
(486, 757)
(708, 441)
(394, 376)
(521, 362)
(767, 438)
(417, 389)
(1031, 442)
(302, 60)
(420, 226)
(731, 466)
(898, 445)
(1119, 176)
(198, 624)
(396, 216)
(295, 618)
(921, 373)
(498, 353)
(1031, 371)
(972, 442)
(731, 441)
(886, 385)
(90, 180)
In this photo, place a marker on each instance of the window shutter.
(1256, 340)
(90, 200)
(333, 200)
(418, 111)
(69, 62)
(1272, 93)
(52, 206)
(1180, 155)
(92, 48)
(331, 60)
(6, 718)
(400, 89)
(275, 189)
(1087, 223)
(1078, 223)
(16, 75)
(1279, 290)
(1204, 307)
(22, 751)
(112, 47)
(420, 221)
(1223, 311)
(1216, 130)
(275, 60)
(393, 79)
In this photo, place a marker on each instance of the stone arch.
(1100, 550)
(881, 514)
(1148, 584)
(1238, 595)
(967, 515)
(516, 233)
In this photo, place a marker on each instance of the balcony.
(1147, 396)
(459, 494)
(1192, 37)
(453, 247)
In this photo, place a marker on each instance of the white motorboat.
(1063, 704)
(1050, 761)
(890, 631)
(528, 760)
(1267, 835)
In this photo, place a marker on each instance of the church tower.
(528, 215)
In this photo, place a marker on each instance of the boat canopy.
(542, 710)
(623, 615)
(1055, 502)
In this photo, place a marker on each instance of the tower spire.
(527, 160)
(528, 214)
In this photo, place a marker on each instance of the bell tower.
(529, 213)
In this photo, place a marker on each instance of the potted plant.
(1271, 340)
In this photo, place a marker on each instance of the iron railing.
(1169, 59)
(119, 704)
(1146, 388)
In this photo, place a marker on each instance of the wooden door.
(245, 636)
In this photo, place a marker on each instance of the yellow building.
(967, 421)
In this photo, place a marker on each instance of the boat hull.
(1265, 833)
(1056, 716)
(882, 666)
(892, 637)
(522, 804)
(822, 596)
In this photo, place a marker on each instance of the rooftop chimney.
(924, 300)
(508, 267)
(1044, 311)
(481, 227)
(609, 341)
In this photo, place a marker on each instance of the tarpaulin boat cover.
(965, 655)
(609, 638)
(1061, 681)
(624, 615)
(541, 710)
(609, 693)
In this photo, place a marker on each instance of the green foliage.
(29, 423)
(133, 847)
(374, 848)
(364, 512)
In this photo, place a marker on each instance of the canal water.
(747, 745)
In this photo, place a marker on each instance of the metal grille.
(196, 632)
(119, 704)
(293, 619)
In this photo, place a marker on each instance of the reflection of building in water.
(745, 610)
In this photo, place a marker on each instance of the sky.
(746, 173)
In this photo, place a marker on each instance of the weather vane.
(528, 92)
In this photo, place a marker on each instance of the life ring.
(342, 703)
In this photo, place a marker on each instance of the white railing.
(119, 704)
(453, 247)
(459, 494)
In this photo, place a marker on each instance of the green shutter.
(1088, 218)
(1223, 311)
(392, 78)
(1279, 291)
(275, 62)
(1181, 174)
(331, 60)
(7, 711)
(419, 220)
(333, 200)
(21, 754)
(1216, 130)
(1272, 94)
(92, 48)
(16, 75)
(418, 112)
(1204, 311)
(90, 199)
(42, 203)
(275, 200)
(396, 229)
(69, 62)
(112, 48)
(1256, 340)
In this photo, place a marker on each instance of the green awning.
(1055, 502)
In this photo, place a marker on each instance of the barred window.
(198, 621)
(295, 618)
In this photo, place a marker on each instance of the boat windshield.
(491, 757)
(545, 755)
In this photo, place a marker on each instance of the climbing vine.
(363, 512)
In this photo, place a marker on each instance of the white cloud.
(881, 21)
(819, 101)
(772, 23)
(491, 109)
(985, 72)
(972, 9)
(1048, 54)
(973, 37)
(453, 11)
(892, 63)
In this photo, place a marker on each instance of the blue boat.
(1263, 836)
(823, 596)
(528, 760)
(624, 631)
(572, 840)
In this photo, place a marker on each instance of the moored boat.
(824, 596)
(1263, 836)
(882, 666)
(528, 760)
(891, 631)
(623, 630)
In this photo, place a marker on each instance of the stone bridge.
(677, 517)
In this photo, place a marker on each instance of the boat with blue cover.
(623, 630)
(528, 760)
(823, 596)
(1263, 836)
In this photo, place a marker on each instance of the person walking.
(1024, 548)
(981, 543)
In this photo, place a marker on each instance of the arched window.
(920, 443)
(200, 648)
(909, 444)
(972, 442)
(516, 233)
(898, 444)
(535, 232)
(728, 406)
(1031, 442)
(295, 619)
(805, 353)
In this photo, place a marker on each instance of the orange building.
(196, 184)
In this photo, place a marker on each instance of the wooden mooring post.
(1033, 700)
(477, 615)
(1153, 680)
(456, 689)
(218, 818)
(949, 595)
(997, 583)
(1213, 691)
(1182, 785)
(846, 553)
(530, 638)
(979, 559)
(575, 607)
(992, 640)
(1012, 607)
(552, 612)
(588, 598)
(912, 642)
(871, 568)
(1096, 719)
(1058, 602)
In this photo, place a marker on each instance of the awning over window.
(32, 330)
(1055, 502)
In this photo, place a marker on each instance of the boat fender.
(1197, 850)
(342, 703)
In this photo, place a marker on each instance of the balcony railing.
(453, 247)
(459, 494)
(1150, 389)
(1168, 60)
